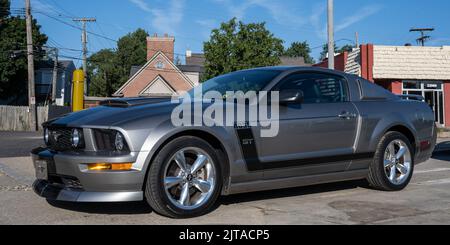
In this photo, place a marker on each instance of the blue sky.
(190, 21)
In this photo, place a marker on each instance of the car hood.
(114, 112)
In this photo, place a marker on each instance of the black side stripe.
(248, 146)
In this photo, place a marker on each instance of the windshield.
(245, 81)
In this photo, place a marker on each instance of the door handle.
(347, 115)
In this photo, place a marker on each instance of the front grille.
(60, 139)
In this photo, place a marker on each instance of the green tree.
(103, 73)
(13, 55)
(324, 53)
(337, 50)
(4, 9)
(300, 49)
(109, 69)
(236, 46)
(131, 51)
(346, 48)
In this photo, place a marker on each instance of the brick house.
(411, 70)
(159, 77)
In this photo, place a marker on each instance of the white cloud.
(141, 4)
(359, 16)
(279, 12)
(319, 19)
(167, 20)
(164, 20)
(207, 25)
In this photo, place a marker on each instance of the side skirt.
(264, 185)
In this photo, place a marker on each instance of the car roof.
(293, 68)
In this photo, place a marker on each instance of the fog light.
(110, 166)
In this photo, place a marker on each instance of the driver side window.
(316, 87)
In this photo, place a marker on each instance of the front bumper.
(69, 181)
(55, 192)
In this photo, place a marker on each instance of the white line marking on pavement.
(434, 182)
(432, 170)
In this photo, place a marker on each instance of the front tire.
(184, 180)
(393, 164)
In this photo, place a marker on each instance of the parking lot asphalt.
(425, 201)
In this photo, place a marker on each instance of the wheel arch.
(206, 136)
(406, 132)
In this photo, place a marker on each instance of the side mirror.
(291, 96)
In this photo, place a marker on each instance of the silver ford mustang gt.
(332, 127)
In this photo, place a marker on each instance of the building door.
(433, 94)
(435, 100)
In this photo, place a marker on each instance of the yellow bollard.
(78, 91)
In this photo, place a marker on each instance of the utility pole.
(85, 51)
(31, 88)
(55, 75)
(330, 34)
(423, 38)
(356, 40)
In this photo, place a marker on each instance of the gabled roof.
(191, 68)
(159, 80)
(159, 54)
(196, 59)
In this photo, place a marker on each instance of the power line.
(77, 27)
(99, 35)
(71, 15)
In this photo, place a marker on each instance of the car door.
(316, 136)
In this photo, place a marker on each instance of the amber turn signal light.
(110, 166)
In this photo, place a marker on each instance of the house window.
(159, 65)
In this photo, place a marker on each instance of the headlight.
(110, 140)
(76, 138)
(46, 136)
(119, 142)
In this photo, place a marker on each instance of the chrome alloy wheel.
(397, 162)
(189, 178)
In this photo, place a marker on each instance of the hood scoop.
(126, 103)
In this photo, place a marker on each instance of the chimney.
(165, 44)
(188, 53)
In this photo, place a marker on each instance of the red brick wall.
(168, 73)
(367, 61)
(447, 103)
(339, 62)
(164, 44)
(397, 87)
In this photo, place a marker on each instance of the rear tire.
(393, 164)
(179, 188)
